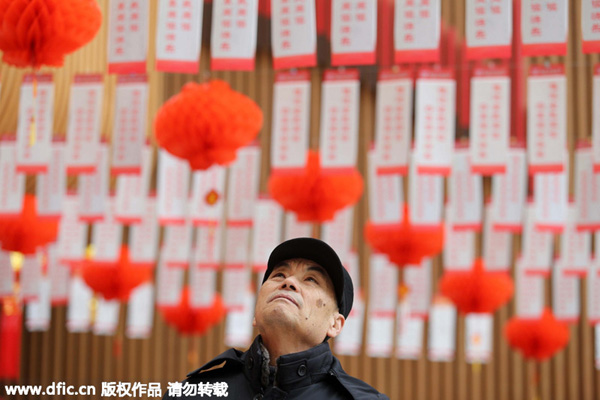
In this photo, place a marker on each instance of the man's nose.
(289, 283)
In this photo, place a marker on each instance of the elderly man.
(304, 300)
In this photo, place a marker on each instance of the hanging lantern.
(537, 339)
(41, 32)
(117, 280)
(26, 232)
(313, 195)
(193, 321)
(477, 290)
(403, 243)
(206, 123)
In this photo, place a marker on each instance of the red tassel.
(10, 339)
(41, 32)
(537, 339)
(206, 123)
(313, 195)
(477, 290)
(193, 321)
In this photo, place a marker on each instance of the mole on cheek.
(320, 303)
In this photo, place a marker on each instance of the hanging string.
(32, 121)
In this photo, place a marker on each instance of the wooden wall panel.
(83, 358)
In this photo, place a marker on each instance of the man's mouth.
(285, 297)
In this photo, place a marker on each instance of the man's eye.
(310, 278)
(278, 274)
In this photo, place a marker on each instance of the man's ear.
(254, 321)
(336, 325)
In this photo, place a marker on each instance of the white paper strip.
(294, 229)
(51, 186)
(590, 27)
(30, 277)
(107, 317)
(79, 308)
(238, 325)
(353, 32)
(293, 33)
(35, 124)
(7, 275)
(207, 250)
(417, 28)
(127, 36)
(544, 26)
(338, 233)
(597, 344)
(177, 244)
(291, 113)
(393, 121)
(129, 128)
(417, 279)
(72, 233)
(143, 237)
(380, 334)
(509, 191)
(386, 195)
(132, 191)
(537, 246)
(425, 198)
(575, 246)
(242, 186)
(442, 331)
(39, 311)
(107, 236)
(497, 245)
(587, 190)
(478, 337)
(435, 107)
(173, 186)
(12, 185)
(178, 35)
(60, 277)
(233, 34)
(488, 28)
(83, 124)
(352, 265)
(267, 231)
(529, 293)
(551, 194)
(236, 283)
(208, 189)
(596, 117)
(383, 283)
(546, 118)
(593, 292)
(169, 284)
(93, 188)
(465, 192)
(140, 312)
(459, 247)
(349, 341)
(490, 119)
(409, 334)
(203, 285)
(565, 294)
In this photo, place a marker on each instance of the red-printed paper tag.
(291, 112)
(12, 184)
(140, 312)
(551, 194)
(238, 324)
(72, 233)
(587, 191)
(106, 318)
(383, 284)
(51, 186)
(544, 26)
(177, 244)
(267, 224)
(497, 245)
(459, 246)
(435, 106)
(243, 185)
(59, 276)
(393, 121)
(293, 228)
(409, 334)
(339, 232)
(465, 193)
(546, 118)
(537, 246)
(79, 305)
(236, 282)
(237, 246)
(442, 331)
(575, 246)
(380, 334)
(30, 276)
(143, 237)
(593, 292)
(590, 26)
(207, 249)
(173, 181)
(338, 141)
(488, 28)
(7, 275)
(386, 195)
(93, 188)
(39, 311)
(83, 125)
(293, 33)
(169, 284)
(132, 191)
(596, 117)
(353, 32)
(178, 35)
(35, 124)
(417, 27)
(479, 330)
(509, 191)
(565, 294)
(127, 36)
(529, 293)
(425, 198)
(490, 120)
(203, 285)
(349, 341)
(417, 278)
(233, 34)
(208, 189)
(107, 236)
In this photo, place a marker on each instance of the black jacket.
(312, 374)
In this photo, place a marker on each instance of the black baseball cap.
(321, 253)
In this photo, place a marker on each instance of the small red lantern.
(206, 123)
(477, 290)
(41, 32)
(404, 243)
(26, 232)
(193, 321)
(313, 195)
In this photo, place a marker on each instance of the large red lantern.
(206, 123)
(41, 32)
(193, 321)
(314, 195)
(27, 232)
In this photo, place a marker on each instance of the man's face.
(298, 299)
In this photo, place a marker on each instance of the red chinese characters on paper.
(544, 27)
(590, 26)
(353, 32)
(489, 28)
(128, 36)
(233, 38)
(417, 30)
(294, 33)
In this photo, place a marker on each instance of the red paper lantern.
(41, 32)
(403, 243)
(26, 232)
(537, 339)
(193, 321)
(115, 280)
(477, 290)
(206, 123)
(313, 195)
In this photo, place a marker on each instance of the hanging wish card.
(353, 32)
(233, 34)
(51, 186)
(544, 27)
(293, 33)
(488, 28)
(417, 27)
(127, 36)
(173, 186)
(587, 189)
(509, 191)
(11, 182)
(93, 188)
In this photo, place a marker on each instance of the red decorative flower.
(26, 232)
(477, 290)
(403, 243)
(41, 32)
(206, 123)
(313, 195)
(538, 339)
(116, 280)
(193, 321)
